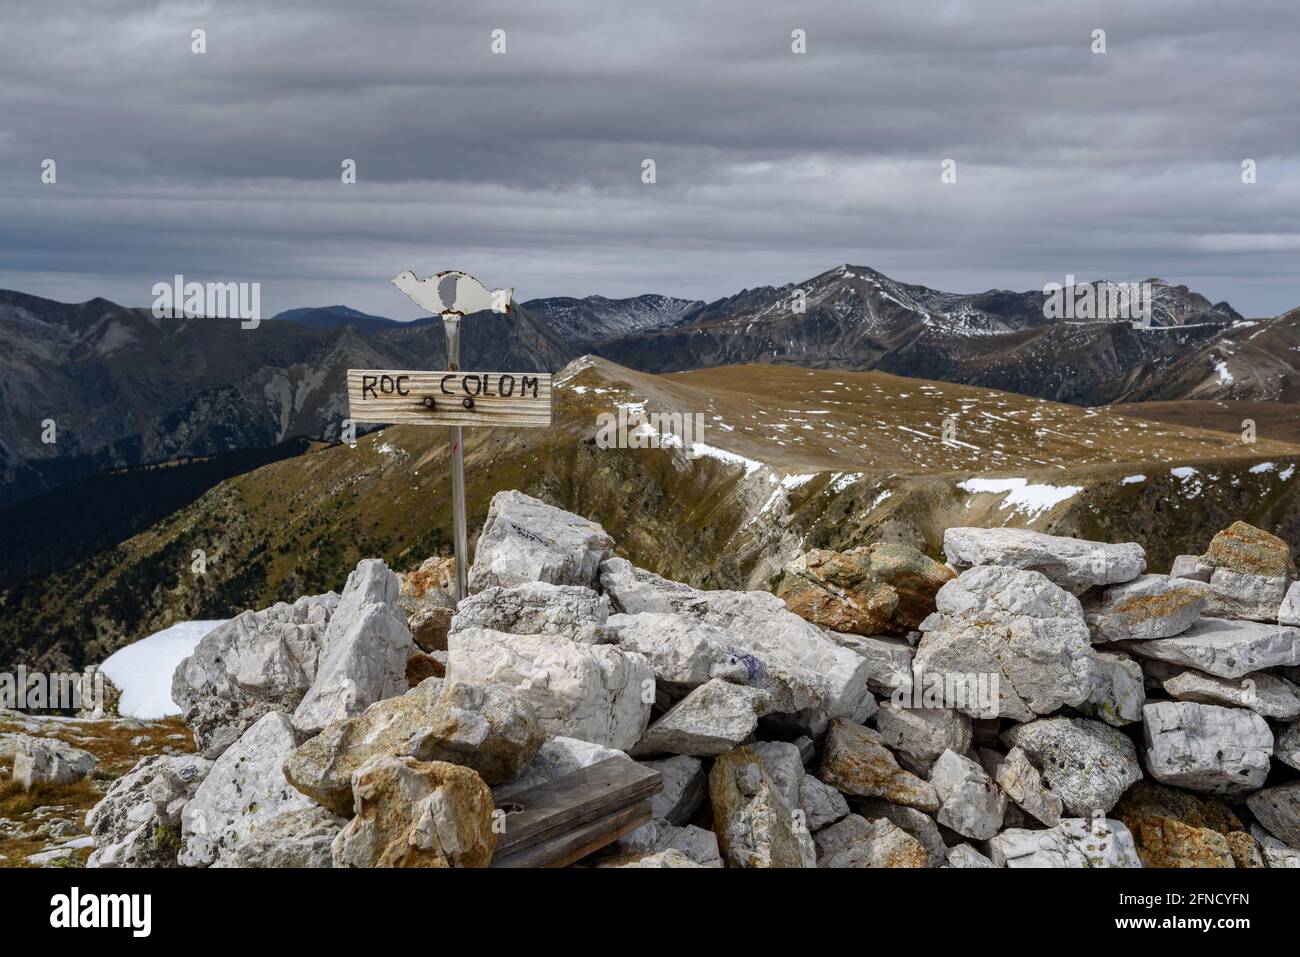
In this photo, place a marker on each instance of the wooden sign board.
(521, 399)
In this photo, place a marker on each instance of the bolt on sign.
(451, 397)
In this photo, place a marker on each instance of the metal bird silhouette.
(453, 293)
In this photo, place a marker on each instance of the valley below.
(790, 459)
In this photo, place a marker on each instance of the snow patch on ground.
(750, 465)
(143, 670)
(1262, 467)
(1028, 498)
(878, 499)
(794, 481)
(843, 480)
(1132, 479)
(1190, 478)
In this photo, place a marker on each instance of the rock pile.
(1034, 702)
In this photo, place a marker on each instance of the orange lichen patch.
(1173, 829)
(1249, 550)
(1142, 607)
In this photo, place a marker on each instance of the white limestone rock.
(138, 822)
(963, 855)
(1150, 606)
(917, 736)
(365, 650)
(525, 540)
(300, 838)
(1287, 746)
(822, 805)
(1235, 594)
(669, 858)
(1013, 631)
(857, 842)
(1075, 842)
(244, 789)
(695, 843)
(1278, 810)
(1023, 784)
(1206, 748)
(593, 692)
(713, 718)
(1288, 613)
(1273, 851)
(1225, 648)
(889, 660)
(1073, 564)
(784, 765)
(969, 801)
(1268, 695)
(1191, 567)
(799, 665)
(916, 823)
(685, 652)
(1088, 764)
(1118, 690)
(257, 662)
(48, 761)
(685, 786)
(755, 827)
(574, 612)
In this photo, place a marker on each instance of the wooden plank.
(563, 849)
(558, 806)
(396, 396)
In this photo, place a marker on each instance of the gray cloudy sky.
(525, 168)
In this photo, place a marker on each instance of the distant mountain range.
(124, 388)
(335, 317)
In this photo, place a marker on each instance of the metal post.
(451, 325)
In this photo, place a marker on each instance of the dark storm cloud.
(525, 167)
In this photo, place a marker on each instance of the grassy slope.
(1273, 420)
(860, 454)
(113, 742)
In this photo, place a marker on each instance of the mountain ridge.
(127, 389)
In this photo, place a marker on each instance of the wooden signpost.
(451, 397)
